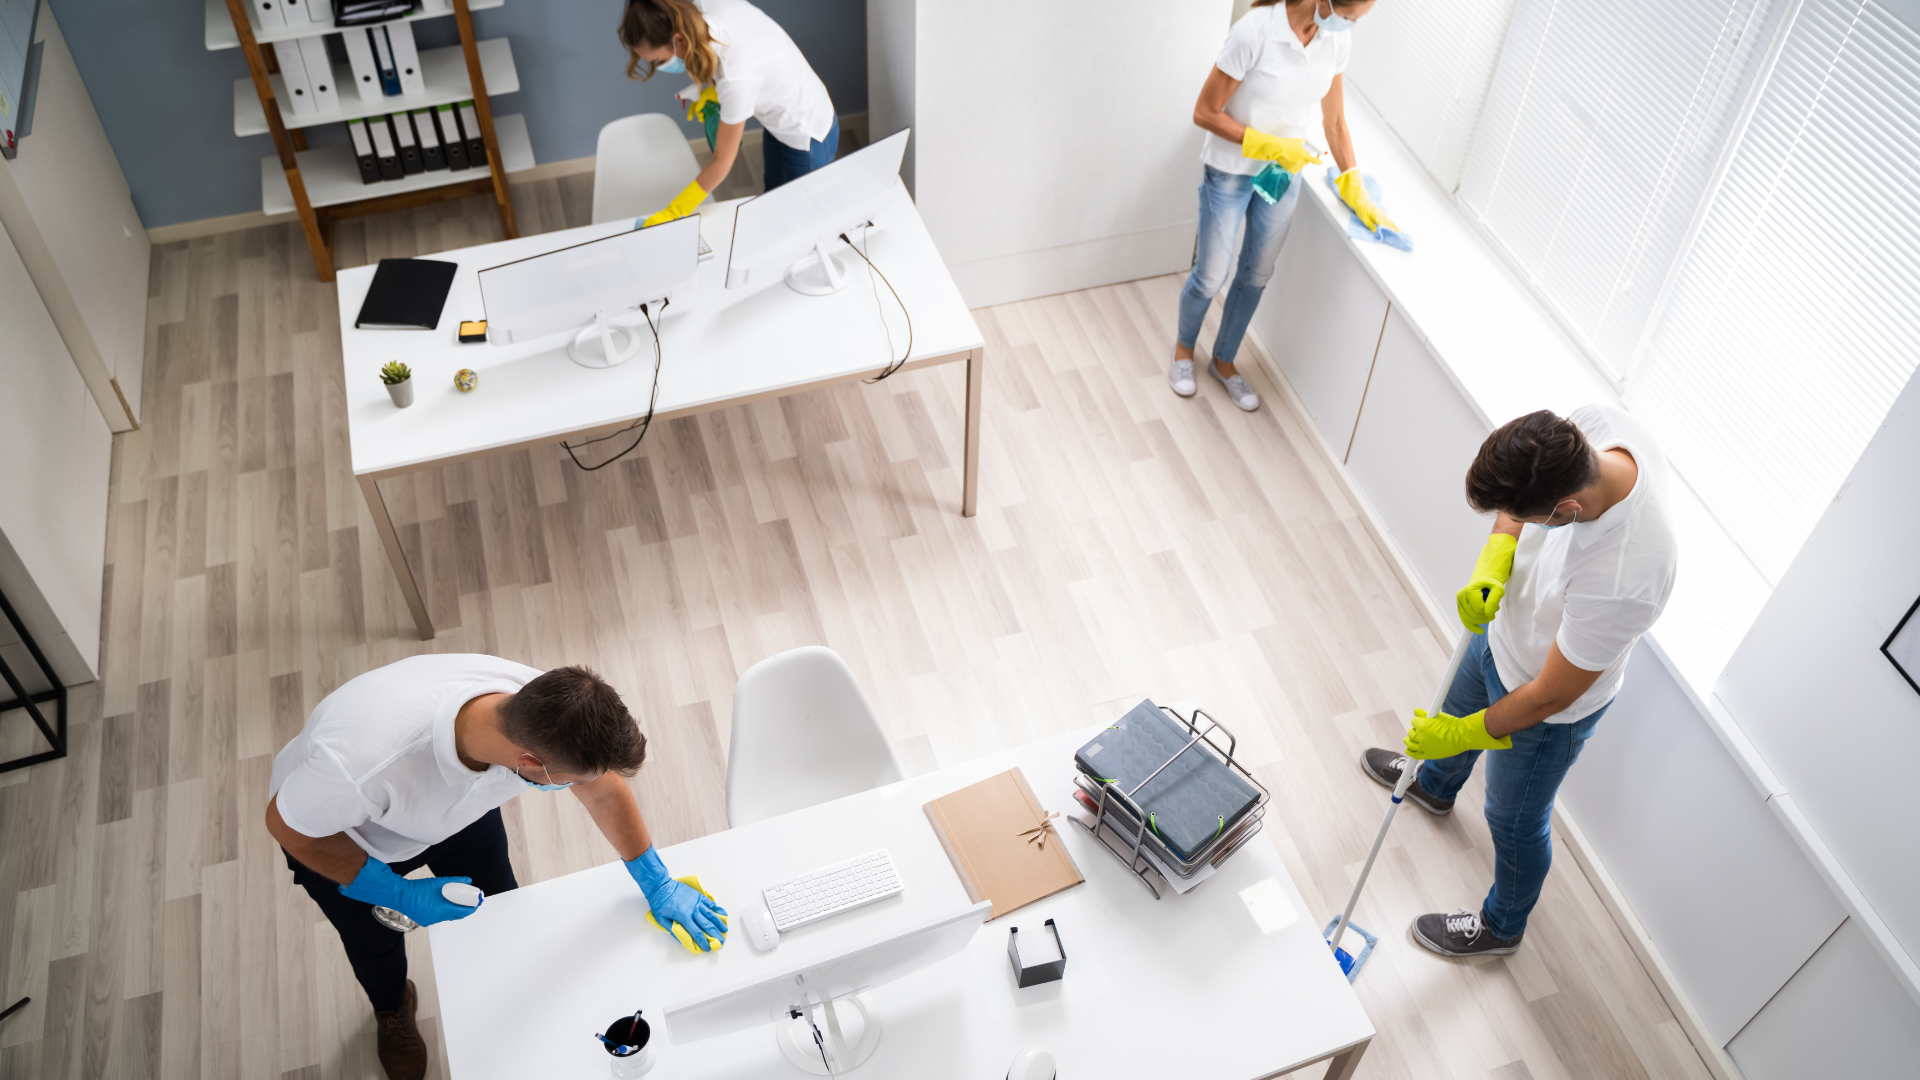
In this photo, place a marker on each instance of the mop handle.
(1399, 792)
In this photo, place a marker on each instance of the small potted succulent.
(399, 380)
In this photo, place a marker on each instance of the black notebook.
(406, 294)
(1192, 801)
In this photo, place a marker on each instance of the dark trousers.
(379, 955)
(782, 163)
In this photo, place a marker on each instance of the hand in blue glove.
(680, 908)
(418, 899)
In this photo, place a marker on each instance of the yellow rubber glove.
(1442, 736)
(1354, 193)
(683, 204)
(1479, 601)
(1290, 154)
(696, 105)
(680, 933)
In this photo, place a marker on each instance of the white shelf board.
(333, 176)
(444, 69)
(221, 35)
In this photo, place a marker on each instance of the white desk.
(728, 347)
(1190, 986)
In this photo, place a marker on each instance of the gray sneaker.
(1237, 389)
(1462, 935)
(1385, 767)
(1180, 376)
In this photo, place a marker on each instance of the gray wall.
(167, 103)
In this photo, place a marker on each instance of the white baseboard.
(1445, 630)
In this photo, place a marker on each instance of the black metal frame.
(1886, 648)
(57, 734)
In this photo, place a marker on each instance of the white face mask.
(1335, 23)
(1551, 524)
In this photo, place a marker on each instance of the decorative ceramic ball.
(466, 379)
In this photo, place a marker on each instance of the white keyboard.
(831, 890)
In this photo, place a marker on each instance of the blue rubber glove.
(681, 909)
(417, 899)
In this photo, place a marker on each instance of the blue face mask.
(1336, 23)
(676, 66)
(1563, 524)
(547, 786)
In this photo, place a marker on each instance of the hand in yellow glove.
(1353, 192)
(679, 931)
(1479, 601)
(1290, 154)
(683, 204)
(1442, 736)
(696, 105)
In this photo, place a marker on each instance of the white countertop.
(719, 345)
(1229, 982)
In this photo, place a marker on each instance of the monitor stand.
(819, 274)
(849, 1028)
(602, 344)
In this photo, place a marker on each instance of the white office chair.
(803, 733)
(641, 163)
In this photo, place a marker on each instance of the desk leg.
(377, 506)
(970, 479)
(1345, 1062)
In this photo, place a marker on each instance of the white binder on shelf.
(293, 76)
(268, 13)
(366, 74)
(295, 12)
(406, 58)
(313, 55)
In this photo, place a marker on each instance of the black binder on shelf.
(406, 294)
(363, 152)
(410, 161)
(456, 146)
(383, 149)
(432, 154)
(470, 124)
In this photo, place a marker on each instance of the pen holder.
(630, 1031)
(1032, 971)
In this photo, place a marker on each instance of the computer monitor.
(847, 1025)
(586, 286)
(792, 229)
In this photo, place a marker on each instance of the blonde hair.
(657, 22)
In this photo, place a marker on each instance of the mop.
(1349, 964)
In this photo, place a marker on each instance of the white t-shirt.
(764, 76)
(1594, 586)
(1281, 82)
(376, 760)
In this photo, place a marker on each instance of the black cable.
(645, 423)
(892, 364)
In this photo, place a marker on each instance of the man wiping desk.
(407, 766)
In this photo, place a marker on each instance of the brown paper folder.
(986, 827)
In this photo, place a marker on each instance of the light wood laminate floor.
(1129, 543)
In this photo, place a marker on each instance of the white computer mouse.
(1033, 1063)
(462, 893)
(760, 930)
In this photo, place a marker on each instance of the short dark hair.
(1529, 465)
(575, 722)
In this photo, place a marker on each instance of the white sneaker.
(1237, 389)
(1181, 377)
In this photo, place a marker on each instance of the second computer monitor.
(774, 231)
(578, 287)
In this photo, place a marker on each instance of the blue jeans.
(1521, 785)
(782, 163)
(1227, 200)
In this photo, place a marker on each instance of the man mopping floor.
(1572, 595)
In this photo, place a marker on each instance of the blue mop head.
(1349, 963)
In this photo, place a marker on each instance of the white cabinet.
(1841, 1015)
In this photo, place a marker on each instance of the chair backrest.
(641, 163)
(803, 733)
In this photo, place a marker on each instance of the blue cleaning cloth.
(1393, 238)
(1271, 182)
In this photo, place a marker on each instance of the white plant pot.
(401, 393)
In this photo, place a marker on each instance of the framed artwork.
(1903, 647)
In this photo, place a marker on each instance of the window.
(1424, 68)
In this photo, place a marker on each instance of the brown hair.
(574, 722)
(1529, 465)
(1290, 3)
(655, 22)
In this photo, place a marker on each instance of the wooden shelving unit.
(323, 185)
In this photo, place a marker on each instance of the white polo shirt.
(376, 760)
(1281, 83)
(764, 76)
(1593, 587)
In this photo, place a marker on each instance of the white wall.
(55, 451)
(1054, 142)
(1843, 1015)
(70, 213)
(1811, 688)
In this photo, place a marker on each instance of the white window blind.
(1794, 321)
(1424, 68)
(1601, 128)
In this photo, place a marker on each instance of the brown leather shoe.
(403, 1053)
